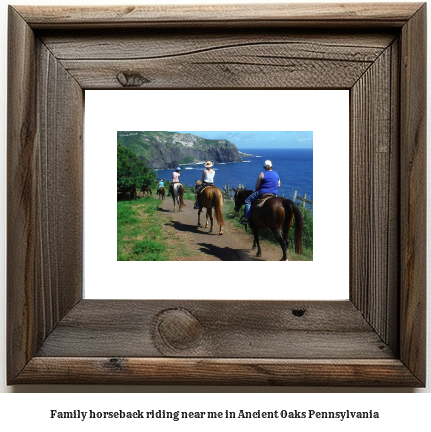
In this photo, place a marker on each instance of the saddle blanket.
(261, 201)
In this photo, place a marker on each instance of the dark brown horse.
(177, 195)
(211, 197)
(276, 213)
(146, 191)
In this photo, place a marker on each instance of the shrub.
(132, 172)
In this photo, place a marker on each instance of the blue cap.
(177, 169)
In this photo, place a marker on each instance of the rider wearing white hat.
(207, 180)
(267, 182)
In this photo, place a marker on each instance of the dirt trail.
(233, 245)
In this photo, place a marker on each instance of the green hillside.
(166, 149)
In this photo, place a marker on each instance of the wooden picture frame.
(376, 338)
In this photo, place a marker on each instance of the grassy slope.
(134, 143)
(140, 234)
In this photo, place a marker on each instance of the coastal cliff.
(169, 149)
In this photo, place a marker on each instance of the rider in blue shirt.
(267, 182)
(161, 184)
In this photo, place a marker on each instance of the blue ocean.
(294, 166)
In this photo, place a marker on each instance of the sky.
(259, 139)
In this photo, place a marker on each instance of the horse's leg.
(256, 241)
(221, 230)
(287, 225)
(280, 239)
(211, 218)
(286, 236)
(199, 216)
(208, 214)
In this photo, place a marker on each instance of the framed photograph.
(316, 145)
(375, 337)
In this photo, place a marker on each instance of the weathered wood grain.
(375, 338)
(373, 189)
(202, 73)
(197, 371)
(252, 59)
(301, 15)
(45, 105)
(21, 194)
(139, 45)
(413, 194)
(269, 66)
(226, 329)
(59, 163)
(392, 302)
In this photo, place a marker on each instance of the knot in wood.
(298, 312)
(115, 363)
(131, 79)
(178, 329)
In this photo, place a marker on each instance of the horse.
(147, 191)
(161, 193)
(276, 213)
(177, 195)
(211, 197)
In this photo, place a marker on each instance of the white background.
(399, 411)
(324, 112)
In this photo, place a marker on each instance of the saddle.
(203, 187)
(171, 187)
(261, 201)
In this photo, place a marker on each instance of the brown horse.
(161, 193)
(211, 197)
(276, 213)
(146, 191)
(177, 195)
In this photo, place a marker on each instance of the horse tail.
(299, 224)
(218, 201)
(180, 190)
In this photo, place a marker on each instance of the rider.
(207, 180)
(160, 185)
(175, 179)
(267, 182)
